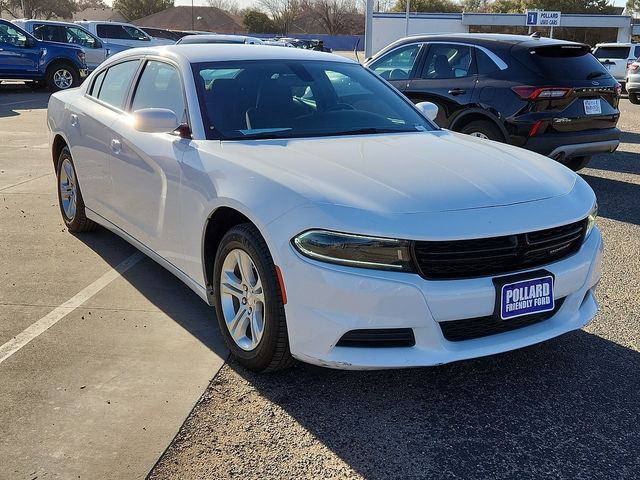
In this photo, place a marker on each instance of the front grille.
(378, 337)
(470, 328)
(488, 256)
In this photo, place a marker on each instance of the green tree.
(258, 22)
(39, 8)
(134, 9)
(441, 6)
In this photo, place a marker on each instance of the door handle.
(457, 91)
(73, 120)
(116, 147)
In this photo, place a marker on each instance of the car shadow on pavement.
(617, 200)
(621, 161)
(15, 97)
(567, 408)
(161, 288)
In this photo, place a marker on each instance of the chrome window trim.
(501, 64)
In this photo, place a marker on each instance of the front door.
(446, 77)
(18, 55)
(145, 166)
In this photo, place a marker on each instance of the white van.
(616, 57)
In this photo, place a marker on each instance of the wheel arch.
(475, 114)
(58, 144)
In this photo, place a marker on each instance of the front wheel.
(633, 98)
(483, 129)
(61, 76)
(249, 302)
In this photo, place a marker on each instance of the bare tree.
(282, 12)
(333, 15)
(230, 6)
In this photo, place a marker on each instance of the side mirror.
(428, 109)
(155, 120)
(29, 43)
(97, 44)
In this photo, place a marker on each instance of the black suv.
(550, 96)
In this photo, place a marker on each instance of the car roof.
(46, 22)
(213, 37)
(615, 44)
(486, 38)
(107, 22)
(220, 52)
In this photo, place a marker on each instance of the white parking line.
(49, 320)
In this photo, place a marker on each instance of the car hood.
(405, 173)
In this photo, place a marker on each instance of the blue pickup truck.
(24, 57)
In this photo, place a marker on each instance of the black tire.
(61, 68)
(578, 163)
(633, 98)
(36, 85)
(79, 222)
(272, 351)
(483, 127)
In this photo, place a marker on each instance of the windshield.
(612, 52)
(293, 99)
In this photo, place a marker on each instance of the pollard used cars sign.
(542, 18)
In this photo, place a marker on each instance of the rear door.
(615, 59)
(447, 77)
(399, 65)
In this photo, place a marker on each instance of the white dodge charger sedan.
(324, 216)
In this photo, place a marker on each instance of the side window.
(97, 83)
(50, 33)
(78, 36)
(134, 33)
(160, 87)
(485, 64)
(115, 86)
(636, 53)
(397, 64)
(448, 61)
(112, 31)
(12, 36)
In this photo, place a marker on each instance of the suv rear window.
(612, 52)
(562, 62)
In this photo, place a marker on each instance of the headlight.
(355, 250)
(591, 219)
(82, 56)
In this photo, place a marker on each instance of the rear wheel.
(249, 303)
(633, 98)
(483, 129)
(69, 196)
(61, 76)
(578, 163)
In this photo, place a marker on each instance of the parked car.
(633, 82)
(123, 34)
(321, 212)
(24, 57)
(545, 95)
(218, 38)
(162, 33)
(64, 32)
(616, 57)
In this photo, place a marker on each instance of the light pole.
(193, 22)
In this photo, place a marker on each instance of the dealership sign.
(543, 19)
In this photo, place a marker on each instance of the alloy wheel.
(62, 78)
(68, 189)
(242, 299)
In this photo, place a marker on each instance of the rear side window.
(50, 33)
(97, 83)
(447, 61)
(562, 62)
(612, 52)
(135, 34)
(112, 31)
(485, 64)
(636, 52)
(160, 87)
(117, 81)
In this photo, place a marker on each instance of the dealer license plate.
(525, 297)
(592, 107)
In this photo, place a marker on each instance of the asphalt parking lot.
(118, 352)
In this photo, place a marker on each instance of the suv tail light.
(630, 62)
(526, 92)
(633, 67)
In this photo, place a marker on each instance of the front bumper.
(574, 144)
(326, 301)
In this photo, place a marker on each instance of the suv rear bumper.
(575, 144)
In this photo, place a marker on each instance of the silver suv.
(633, 81)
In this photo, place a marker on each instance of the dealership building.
(590, 29)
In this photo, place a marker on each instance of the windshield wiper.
(368, 131)
(593, 75)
